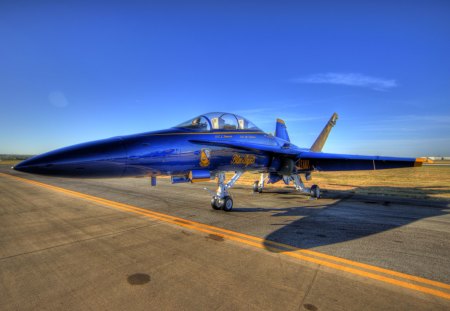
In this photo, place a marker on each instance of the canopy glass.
(221, 121)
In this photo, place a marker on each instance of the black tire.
(214, 204)
(315, 191)
(228, 204)
(256, 186)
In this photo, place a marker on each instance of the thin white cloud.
(58, 99)
(408, 147)
(349, 79)
(407, 123)
(421, 118)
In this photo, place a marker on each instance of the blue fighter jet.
(204, 148)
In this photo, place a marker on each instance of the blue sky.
(72, 72)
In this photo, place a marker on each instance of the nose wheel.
(225, 204)
(216, 204)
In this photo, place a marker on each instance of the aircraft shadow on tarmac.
(320, 225)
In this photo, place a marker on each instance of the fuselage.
(167, 152)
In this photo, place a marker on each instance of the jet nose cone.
(35, 164)
(104, 158)
(22, 166)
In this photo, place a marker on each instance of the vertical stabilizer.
(281, 130)
(320, 141)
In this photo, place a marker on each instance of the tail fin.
(281, 130)
(320, 141)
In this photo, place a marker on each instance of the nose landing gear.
(222, 199)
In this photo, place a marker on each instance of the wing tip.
(420, 161)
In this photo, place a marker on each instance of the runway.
(120, 244)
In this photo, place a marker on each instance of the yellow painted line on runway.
(263, 244)
(343, 260)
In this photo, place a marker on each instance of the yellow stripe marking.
(260, 243)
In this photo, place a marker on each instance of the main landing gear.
(222, 199)
(258, 186)
(314, 191)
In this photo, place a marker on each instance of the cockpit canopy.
(219, 121)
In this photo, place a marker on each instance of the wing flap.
(347, 162)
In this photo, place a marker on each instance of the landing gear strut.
(314, 192)
(258, 186)
(222, 199)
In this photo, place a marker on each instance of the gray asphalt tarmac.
(120, 244)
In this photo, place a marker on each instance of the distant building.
(439, 158)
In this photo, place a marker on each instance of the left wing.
(346, 162)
